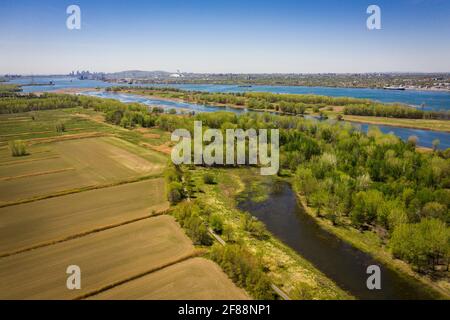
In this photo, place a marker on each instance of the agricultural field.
(104, 258)
(30, 224)
(93, 195)
(74, 164)
(41, 124)
(193, 279)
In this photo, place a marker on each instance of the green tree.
(436, 143)
(174, 192)
(367, 205)
(435, 210)
(18, 148)
(216, 223)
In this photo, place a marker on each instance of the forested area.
(369, 181)
(377, 182)
(394, 111)
(372, 181)
(286, 103)
(7, 90)
(240, 264)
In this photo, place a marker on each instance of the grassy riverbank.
(423, 124)
(288, 270)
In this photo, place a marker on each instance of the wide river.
(338, 260)
(431, 99)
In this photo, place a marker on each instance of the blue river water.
(165, 104)
(432, 100)
(425, 137)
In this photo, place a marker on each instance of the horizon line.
(228, 73)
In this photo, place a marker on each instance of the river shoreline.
(382, 121)
(245, 84)
(425, 134)
(288, 269)
(378, 253)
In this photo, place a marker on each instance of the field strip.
(104, 258)
(137, 276)
(14, 121)
(78, 190)
(66, 137)
(11, 163)
(50, 220)
(164, 148)
(34, 174)
(195, 278)
(69, 137)
(99, 121)
(82, 234)
(24, 133)
(18, 118)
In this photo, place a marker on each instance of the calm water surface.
(339, 261)
(433, 100)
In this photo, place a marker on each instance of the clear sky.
(239, 36)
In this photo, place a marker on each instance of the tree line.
(394, 111)
(295, 104)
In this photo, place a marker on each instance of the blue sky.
(224, 36)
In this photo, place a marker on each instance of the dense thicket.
(194, 220)
(32, 102)
(9, 90)
(394, 111)
(244, 269)
(377, 181)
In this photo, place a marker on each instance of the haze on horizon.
(285, 36)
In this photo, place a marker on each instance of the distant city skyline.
(198, 36)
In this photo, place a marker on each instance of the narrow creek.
(286, 219)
